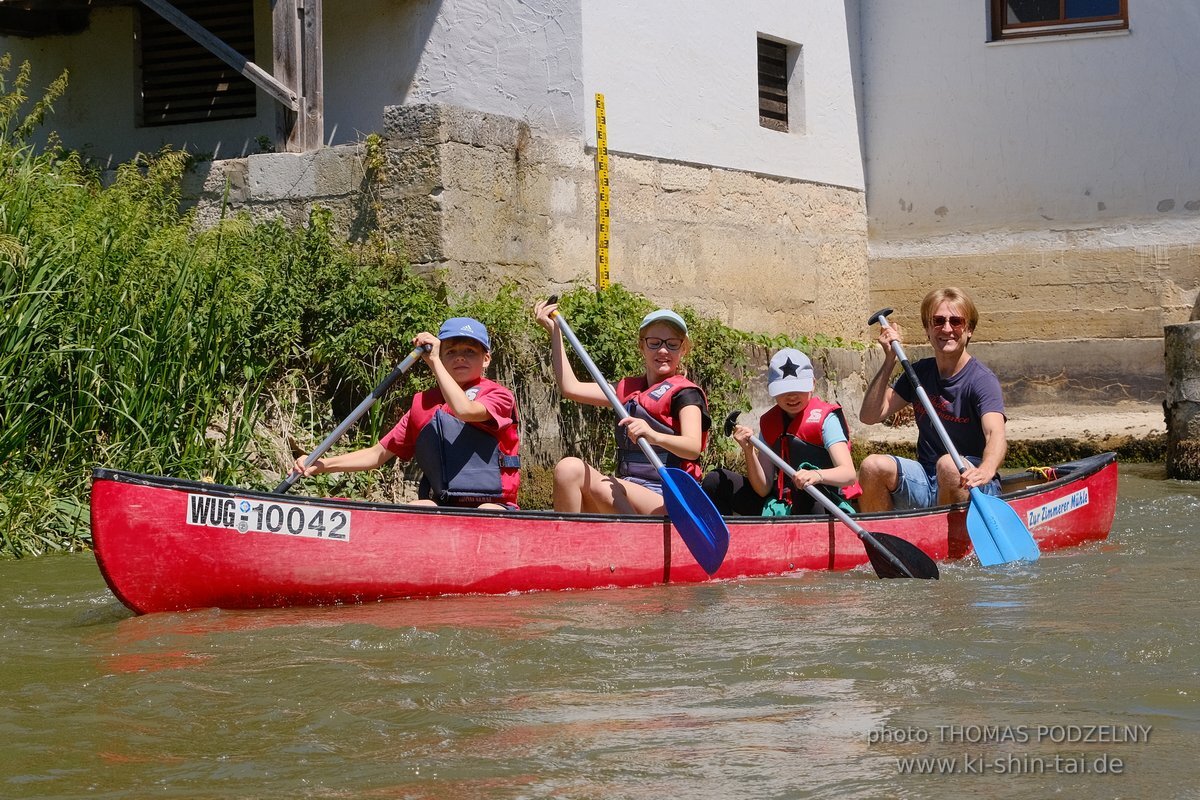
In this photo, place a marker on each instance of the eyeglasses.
(940, 322)
(657, 344)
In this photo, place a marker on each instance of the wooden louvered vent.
(183, 82)
(772, 85)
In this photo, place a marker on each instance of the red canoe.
(170, 545)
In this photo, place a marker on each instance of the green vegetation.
(130, 339)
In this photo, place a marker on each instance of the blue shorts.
(654, 486)
(916, 488)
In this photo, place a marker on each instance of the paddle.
(891, 556)
(997, 533)
(369, 401)
(689, 508)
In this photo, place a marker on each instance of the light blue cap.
(663, 315)
(465, 328)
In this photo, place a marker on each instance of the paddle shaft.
(604, 385)
(354, 417)
(881, 318)
(831, 506)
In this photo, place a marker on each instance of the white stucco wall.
(1069, 132)
(497, 56)
(680, 81)
(511, 57)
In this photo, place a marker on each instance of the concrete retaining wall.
(1182, 406)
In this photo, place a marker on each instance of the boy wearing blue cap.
(805, 431)
(462, 433)
(665, 408)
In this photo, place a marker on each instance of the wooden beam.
(285, 52)
(233, 58)
(298, 51)
(312, 74)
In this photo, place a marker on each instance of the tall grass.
(129, 339)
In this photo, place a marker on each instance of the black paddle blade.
(891, 556)
(731, 421)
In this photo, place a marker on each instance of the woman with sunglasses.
(969, 403)
(665, 408)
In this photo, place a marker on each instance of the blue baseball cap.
(465, 328)
(663, 315)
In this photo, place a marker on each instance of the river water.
(1078, 676)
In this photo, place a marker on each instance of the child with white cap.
(463, 433)
(665, 408)
(805, 431)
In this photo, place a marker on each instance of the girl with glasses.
(665, 408)
(969, 403)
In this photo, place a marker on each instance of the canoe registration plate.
(247, 515)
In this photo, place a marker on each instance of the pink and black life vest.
(653, 404)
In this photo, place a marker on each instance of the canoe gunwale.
(1075, 470)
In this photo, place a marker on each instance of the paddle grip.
(731, 422)
(878, 315)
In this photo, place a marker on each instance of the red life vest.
(653, 404)
(802, 442)
(464, 463)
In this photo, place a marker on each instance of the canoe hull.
(171, 545)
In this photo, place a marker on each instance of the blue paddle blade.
(997, 533)
(695, 517)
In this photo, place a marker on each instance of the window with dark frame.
(772, 85)
(181, 81)
(1016, 19)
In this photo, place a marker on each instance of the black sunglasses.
(940, 322)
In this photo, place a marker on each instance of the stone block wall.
(760, 253)
(287, 185)
(478, 199)
(1066, 316)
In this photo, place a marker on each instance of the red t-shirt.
(501, 423)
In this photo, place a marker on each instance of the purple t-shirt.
(960, 402)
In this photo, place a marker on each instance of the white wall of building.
(1085, 131)
(511, 57)
(498, 56)
(680, 81)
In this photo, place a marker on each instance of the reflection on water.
(812, 685)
